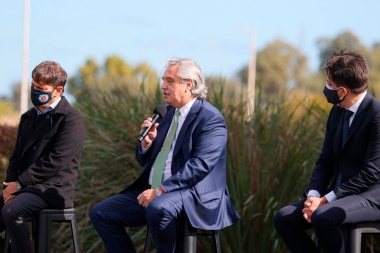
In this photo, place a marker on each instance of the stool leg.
(35, 234)
(355, 240)
(148, 240)
(6, 242)
(190, 238)
(216, 241)
(44, 233)
(74, 232)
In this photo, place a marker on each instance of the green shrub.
(8, 135)
(270, 159)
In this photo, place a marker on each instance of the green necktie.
(162, 156)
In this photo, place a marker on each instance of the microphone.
(158, 112)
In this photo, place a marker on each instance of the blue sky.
(214, 33)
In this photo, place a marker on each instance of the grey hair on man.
(190, 70)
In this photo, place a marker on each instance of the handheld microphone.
(158, 112)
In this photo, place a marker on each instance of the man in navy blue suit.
(194, 171)
(345, 184)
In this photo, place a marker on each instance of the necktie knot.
(347, 115)
(176, 114)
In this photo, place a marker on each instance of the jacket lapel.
(359, 117)
(189, 118)
(336, 129)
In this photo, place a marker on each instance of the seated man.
(345, 184)
(44, 166)
(184, 169)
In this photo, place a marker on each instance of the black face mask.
(332, 95)
(40, 98)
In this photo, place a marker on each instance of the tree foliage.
(8, 136)
(374, 64)
(279, 66)
(9, 115)
(348, 40)
(115, 72)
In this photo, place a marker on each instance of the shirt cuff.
(330, 196)
(313, 193)
(162, 189)
(144, 150)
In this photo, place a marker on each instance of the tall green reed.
(270, 158)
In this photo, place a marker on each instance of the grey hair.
(190, 70)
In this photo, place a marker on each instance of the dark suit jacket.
(359, 157)
(198, 166)
(47, 152)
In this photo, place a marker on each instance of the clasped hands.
(310, 205)
(10, 188)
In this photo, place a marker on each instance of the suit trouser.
(110, 217)
(326, 222)
(25, 204)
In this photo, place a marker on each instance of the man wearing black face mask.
(332, 94)
(345, 184)
(44, 166)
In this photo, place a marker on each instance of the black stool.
(357, 231)
(354, 235)
(44, 220)
(186, 237)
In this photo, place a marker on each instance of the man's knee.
(330, 217)
(155, 212)
(285, 214)
(160, 212)
(7, 213)
(11, 216)
(278, 219)
(281, 218)
(95, 213)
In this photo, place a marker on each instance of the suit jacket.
(198, 166)
(358, 159)
(47, 152)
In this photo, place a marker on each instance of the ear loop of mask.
(330, 88)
